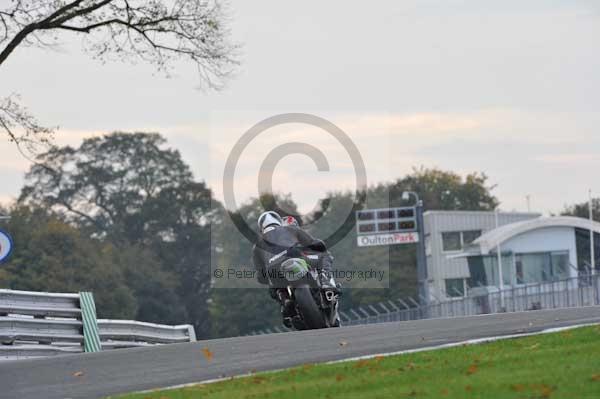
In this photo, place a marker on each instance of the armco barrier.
(39, 304)
(35, 324)
(122, 332)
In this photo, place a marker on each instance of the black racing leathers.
(281, 238)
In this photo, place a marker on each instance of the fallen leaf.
(361, 363)
(567, 334)
(444, 392)
(596, 377)
(546, 391)
(208, 355)
(468, 388)
(517, 387)
(258, 379)
(472, 369)
(339, 378)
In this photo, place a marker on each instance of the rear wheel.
(313, 318)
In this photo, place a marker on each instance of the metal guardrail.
(36, 324)
(43, 331)
(121, 332)
(39, 304)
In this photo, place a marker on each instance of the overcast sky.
(509, 88)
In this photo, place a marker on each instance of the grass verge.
(558, 365)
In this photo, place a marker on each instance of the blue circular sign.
(6, 245)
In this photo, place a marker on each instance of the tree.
(151, 31)
(50, 255)
(444, 190)
(110, 184)
(127, 189)
(582, 210)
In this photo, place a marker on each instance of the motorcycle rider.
(277, 235)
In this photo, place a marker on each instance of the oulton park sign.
(387, 226)
(369, 240)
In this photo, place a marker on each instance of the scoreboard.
(388, 220)
(387, 226)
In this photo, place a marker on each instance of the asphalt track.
(96, 375)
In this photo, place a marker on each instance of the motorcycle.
(315, 305)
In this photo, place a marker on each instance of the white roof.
(490, 240)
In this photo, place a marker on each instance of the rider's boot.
(287, 307)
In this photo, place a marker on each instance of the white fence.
(573, 292)
(36, 324)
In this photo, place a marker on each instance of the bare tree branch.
(158, 32)
(23, 129)
(136, 29)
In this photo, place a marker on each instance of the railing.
(126, 333)
(35, 324)
(572, 292)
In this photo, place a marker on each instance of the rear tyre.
(313, 318)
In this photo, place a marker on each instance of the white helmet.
(267, 219)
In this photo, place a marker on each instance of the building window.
(455, 287)
(457, 240)
(484, 270)
(451, 241)
(470, 236)
(541, 267)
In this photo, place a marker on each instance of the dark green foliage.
(50, 255)
(128, 190)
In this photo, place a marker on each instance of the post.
(592, 244)
(422, 258)
(91, 335)
(499, 254)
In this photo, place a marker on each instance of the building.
(447, 233)
(462, 250)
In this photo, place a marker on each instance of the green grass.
(559, 365)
